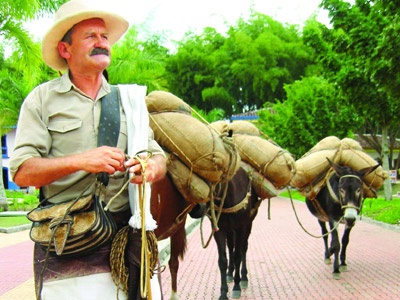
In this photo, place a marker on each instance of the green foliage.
(214, 115)
(310, 113)
(239, 71)
(24, 69)
(134, 61)
(21, 201)
(359, 55)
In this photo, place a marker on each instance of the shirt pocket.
(66, 137)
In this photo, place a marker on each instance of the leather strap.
(109, 125)
(109, 119)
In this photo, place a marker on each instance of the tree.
(360, 52)
(240, 70)
(140, 62)
(26, 59)
(310, 113)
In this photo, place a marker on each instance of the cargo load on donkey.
(313, 168)
(271, 166)
(198, 156)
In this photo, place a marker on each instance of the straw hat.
(71, 13)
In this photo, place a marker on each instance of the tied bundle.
(313, 168)
(198, 156)
(272, 167)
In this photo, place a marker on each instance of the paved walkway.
(286, 263)
(283, 261)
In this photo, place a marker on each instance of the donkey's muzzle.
(350, 216)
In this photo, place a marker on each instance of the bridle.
(340, 198)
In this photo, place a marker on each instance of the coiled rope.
(149, 247)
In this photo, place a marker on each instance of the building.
(7, 143)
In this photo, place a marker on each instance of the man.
(56, 142)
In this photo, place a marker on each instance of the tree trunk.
(3, 197)
(385, 163)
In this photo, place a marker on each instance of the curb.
(13, 213)
(379, 223)
(15, 228)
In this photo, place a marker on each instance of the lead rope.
(119, 271)
(305, 230)
(145, 253)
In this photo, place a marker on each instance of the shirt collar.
(66, 85)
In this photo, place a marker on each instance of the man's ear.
(63, 50)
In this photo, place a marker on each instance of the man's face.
(90, 49)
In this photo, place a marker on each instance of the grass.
(7, 222)
(21, 201)
(375, 208)
(18, 201)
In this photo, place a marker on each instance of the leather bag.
(72, 228)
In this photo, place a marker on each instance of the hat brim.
(115, 24)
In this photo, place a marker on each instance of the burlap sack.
(328, 143)
(159, 101)
(312, 168)
(220, 126)
(262, 186)
(348, 143)
(274, 163)
(311, 190)
(357, 160)
(309, 166)
(196, 144)
(244, 127)
(192, 187)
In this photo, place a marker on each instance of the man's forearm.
(42, 171)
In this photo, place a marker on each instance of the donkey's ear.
(339, 170)
(366, 171)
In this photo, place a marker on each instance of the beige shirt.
(57, 119)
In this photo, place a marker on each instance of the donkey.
(237, 212)
(339, 201)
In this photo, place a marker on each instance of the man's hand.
(155, 169)
(103, 159)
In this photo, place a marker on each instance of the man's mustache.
(96, 51)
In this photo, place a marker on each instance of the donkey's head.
(350, 189)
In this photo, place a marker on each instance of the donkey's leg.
(231, 267)
(237, 257)
(244, 282)
(327, 254)
(220, 239)
(177, 246)
(334, 249)
(345, 242)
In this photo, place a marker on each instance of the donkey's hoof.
(327, 261)
(336, 276)
(244, 284)
(236, 294)
(343, 268)
(229, 278)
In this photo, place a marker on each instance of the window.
(4, 146)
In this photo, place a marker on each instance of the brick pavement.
(283, 261)
(286, 263)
